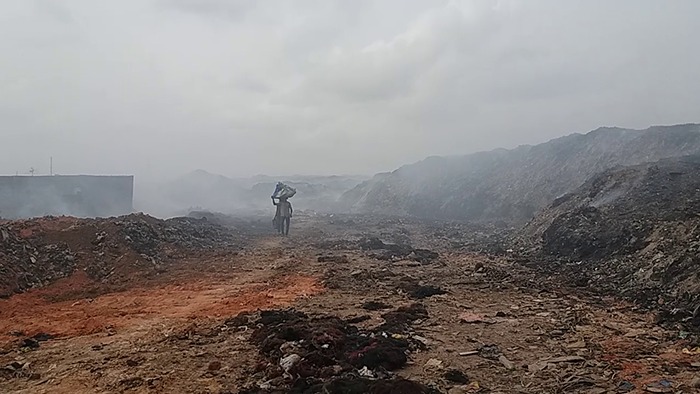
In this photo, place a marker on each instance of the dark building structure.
(71, 195)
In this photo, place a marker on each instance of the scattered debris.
(565, 359)
(537, 367)
(472, 318)
(30, 343)
(333, 259)
(375, 306)
(695, 383)
(365, 373)
(544, 363)
(358, 319)
(470, 388)
(491, 352)
(625, 387)
(693, 351)
(321, 342)
(419, 291)
(425, 341)
(354, 385)
(506, 363)
(433, 363)
(42, 337)
(288, 362)
(395, 252)
(401, 318)
(456, 376)
(576, 345)
(662, 386)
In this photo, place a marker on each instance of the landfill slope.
(633, 231)
(37, 252)
(513, 185)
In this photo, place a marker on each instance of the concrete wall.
(72, 195)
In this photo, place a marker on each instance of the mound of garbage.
(24, 264)
(633, 231)
(153, 237)
(37, 252)
(513, 185)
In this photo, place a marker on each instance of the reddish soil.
(165, 331)
(199, 298)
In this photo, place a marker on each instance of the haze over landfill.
(160, 88)
(350, 197)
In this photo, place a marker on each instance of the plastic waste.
(283, 191)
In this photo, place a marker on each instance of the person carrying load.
(284, 211)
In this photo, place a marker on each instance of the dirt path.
(170, 335)
(91, 332)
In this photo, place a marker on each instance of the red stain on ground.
(32, 312)
(634, 367)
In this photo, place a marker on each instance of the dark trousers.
(283, 223)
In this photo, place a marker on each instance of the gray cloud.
(161, 87)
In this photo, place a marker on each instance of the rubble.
(148, 235)
(632, 232)
(25, 264)
(333, 259)
(395, 252)
(418, 291)
(375, 306)
(326, 351)
(456, 376)
(513, 185)
(499, 320)
(36, 252)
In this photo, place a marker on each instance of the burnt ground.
(346, 304)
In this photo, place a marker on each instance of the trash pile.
(394, 239)
(24, 265)
(149, 236)
(312, 354)
(633, 231)
(37, 252)
(395, 252)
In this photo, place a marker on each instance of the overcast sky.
(163, 87)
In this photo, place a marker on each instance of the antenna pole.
(51, 166)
